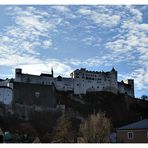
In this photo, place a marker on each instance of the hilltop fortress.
(81, 81)
(27, 93)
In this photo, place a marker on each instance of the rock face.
(29, 97)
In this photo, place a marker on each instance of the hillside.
(119, 107)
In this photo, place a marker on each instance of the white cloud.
(140, 77)
(32, 29)
(100, 16)
(132, 36)
(61, 8)
(16, 59)
(32, 22)
(132, 41)
(137, 15)
(47, 43)
(45, 66)
(19, 42)
(29, 32)
(84, 11)
(105, 19)
(89, 40)
(73, 61)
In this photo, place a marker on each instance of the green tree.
(96, 128)
(63, 132)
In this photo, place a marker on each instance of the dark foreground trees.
(96, 128)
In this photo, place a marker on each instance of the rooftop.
(143, 124)
(107, 72)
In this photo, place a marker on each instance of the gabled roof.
(143, 124)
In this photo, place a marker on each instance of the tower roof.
(113, 69)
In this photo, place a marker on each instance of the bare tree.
(96, 128)
(63, 131)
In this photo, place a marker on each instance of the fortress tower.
(18, 72)
(131, 83)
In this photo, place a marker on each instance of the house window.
(130, 135)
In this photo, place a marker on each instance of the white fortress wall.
(94, 81)
(5, 95)
(64, 84)
(35, 79)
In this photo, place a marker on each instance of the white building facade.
(64, 84)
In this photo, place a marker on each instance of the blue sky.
(66, 37)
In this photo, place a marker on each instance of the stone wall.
(34, 94)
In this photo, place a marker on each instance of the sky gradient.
(38, 37)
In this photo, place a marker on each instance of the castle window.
(28, 80)
(77, 84)
(97, 86)
(83, 76)
(37, 94)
